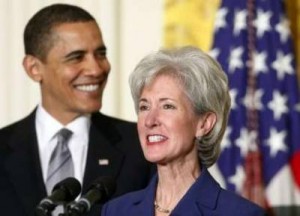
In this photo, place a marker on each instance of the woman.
(182, 101)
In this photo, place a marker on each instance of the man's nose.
(97, 66)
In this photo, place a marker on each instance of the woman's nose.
(152, 119)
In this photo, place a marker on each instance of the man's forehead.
(76, 26)
(77, 36)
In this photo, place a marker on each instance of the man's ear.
(32, 66)
(206, 123)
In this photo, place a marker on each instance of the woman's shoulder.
(238, 205)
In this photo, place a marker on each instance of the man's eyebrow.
(102, 48)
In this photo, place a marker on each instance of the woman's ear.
(206, 123)
(31, 65)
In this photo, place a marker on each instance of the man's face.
(75, 72)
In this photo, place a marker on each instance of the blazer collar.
(203, 193)
(200, 199)
(145, 202)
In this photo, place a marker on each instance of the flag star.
(233, 94)
(235, 59)
(238, 178)
(262, 22)
(283, 28)
(283, 64)
(226, 143)
(239, 21)
(254, 101)
(276, 141)
(220, 20)
(247, 141)
(260, 62)
(278, 104)
(214, 53)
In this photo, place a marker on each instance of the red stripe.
(295, 164)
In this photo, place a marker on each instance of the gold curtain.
(189, 22)
(293, 12)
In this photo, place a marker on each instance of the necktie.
(60, 164)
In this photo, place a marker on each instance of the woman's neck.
(173, 183)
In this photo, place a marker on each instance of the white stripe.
(215, 172)
(282, 190)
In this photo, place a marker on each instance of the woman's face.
(167, 123)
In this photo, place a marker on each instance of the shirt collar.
(49, 126)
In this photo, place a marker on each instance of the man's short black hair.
(38, 31)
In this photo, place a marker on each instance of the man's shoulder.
(11, 134)
(108, 118)
(115, 129)
(17, 126)
(113, 123)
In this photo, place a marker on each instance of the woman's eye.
(168, 106)
(143, 107)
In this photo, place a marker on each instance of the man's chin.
(91, 108)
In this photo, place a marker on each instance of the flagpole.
(254, 188)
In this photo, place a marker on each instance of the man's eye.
(101, 53)
(75, 58)
(78, 57)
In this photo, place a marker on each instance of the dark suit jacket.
(204, 198)
(21, 182)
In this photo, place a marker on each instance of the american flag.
(260, 156)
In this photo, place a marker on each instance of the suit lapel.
(23, 165)
(201, 198)
(145, 201)
(103, 159)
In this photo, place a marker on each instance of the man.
(66, 55)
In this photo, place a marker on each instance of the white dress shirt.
(47, 127)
